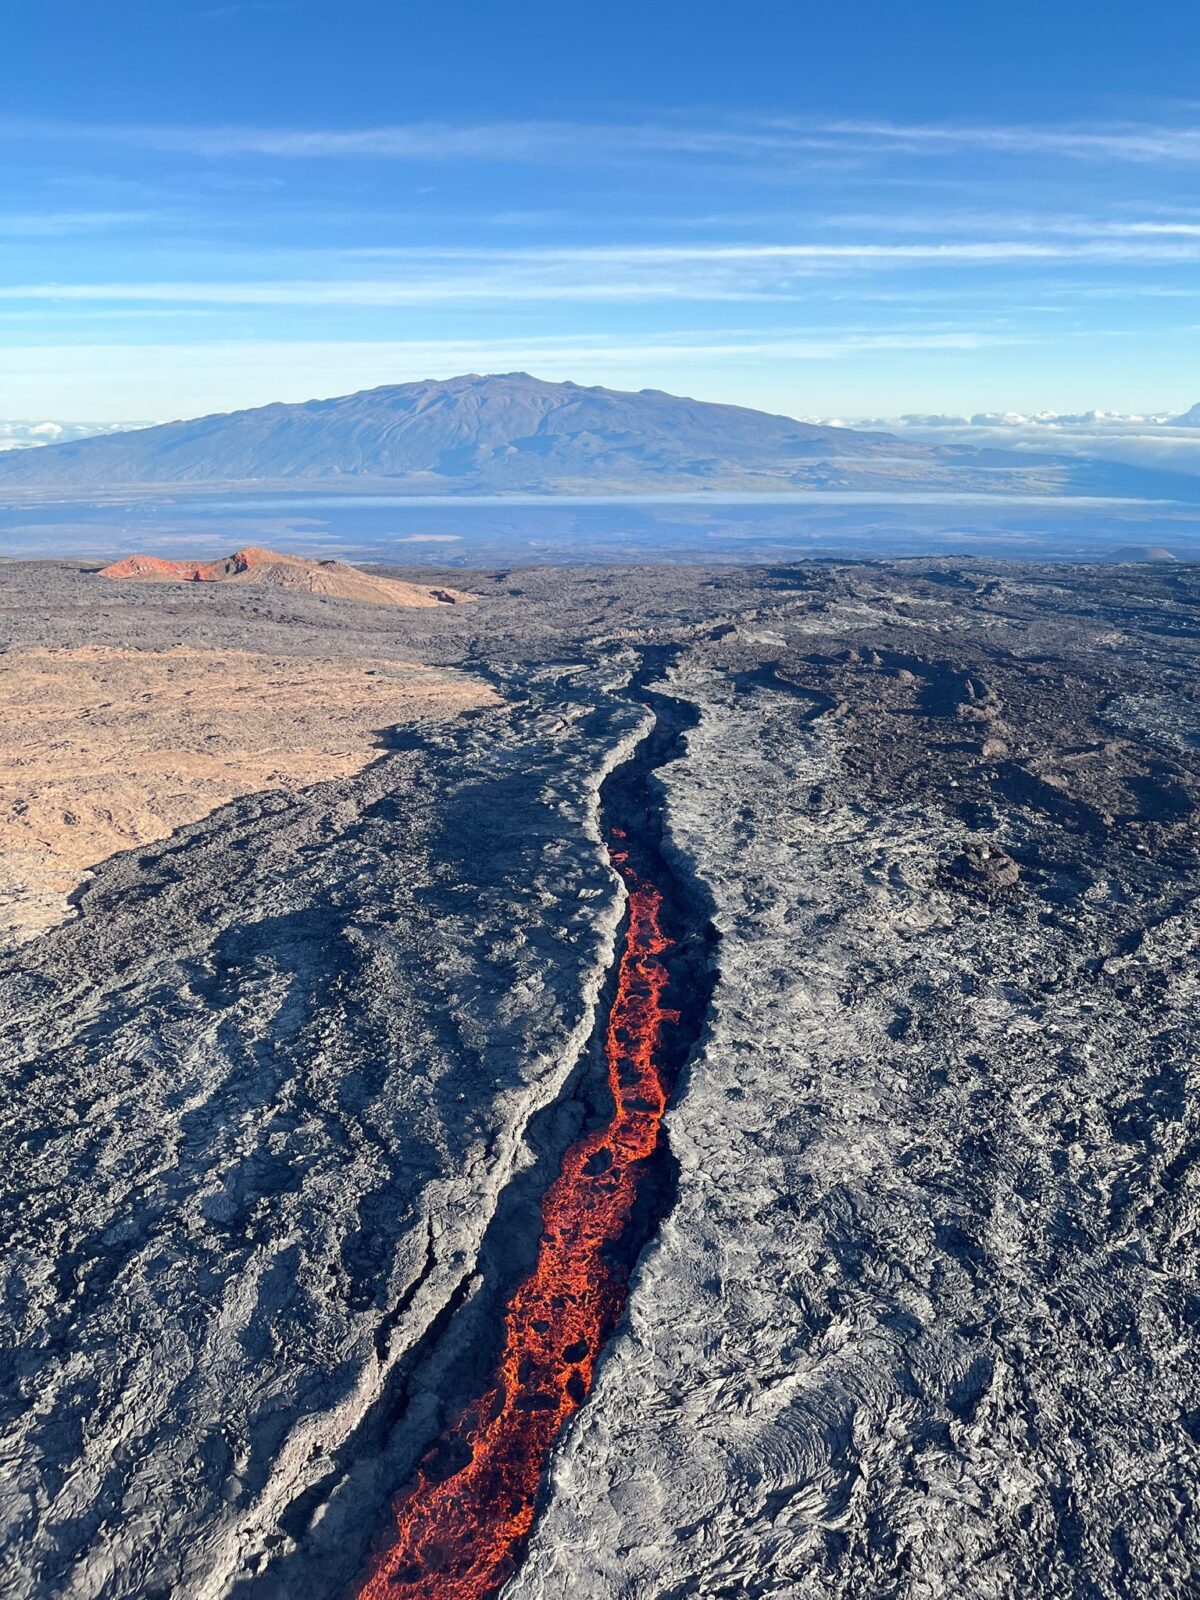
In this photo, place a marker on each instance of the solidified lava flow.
(461, 1527)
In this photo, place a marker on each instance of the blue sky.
(834, 211)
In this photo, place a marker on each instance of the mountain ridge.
(512, 433)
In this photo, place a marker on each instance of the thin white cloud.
(1136, 142)
(785, 368)
(417, 141)
(954, 250)
(62, 224)
(644, 273)
(119, 380)
(383, 293)
(748, 139)
(455, 355)
(998, 223)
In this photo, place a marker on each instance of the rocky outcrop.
(982, 870)
(330, 579)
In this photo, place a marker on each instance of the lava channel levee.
(460, 1529)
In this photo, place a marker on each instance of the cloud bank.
(1163, 440)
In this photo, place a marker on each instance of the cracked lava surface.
(462, 1525)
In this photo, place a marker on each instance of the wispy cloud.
(1051, 225)
(452, 356)
(754, 139)
(382, 292)
(545, 355)
(614, 273)
(1128, 141)
(63, 224)
(417, 141)
(171, 236)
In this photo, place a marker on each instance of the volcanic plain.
(889, 870)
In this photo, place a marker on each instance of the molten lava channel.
(462, 1525)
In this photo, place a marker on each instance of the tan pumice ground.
(104, 748)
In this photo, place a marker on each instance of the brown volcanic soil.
(335, 579)
(104, 748)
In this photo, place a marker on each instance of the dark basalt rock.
(984, 871)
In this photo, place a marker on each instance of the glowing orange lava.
(459, 1536)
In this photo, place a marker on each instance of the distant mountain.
(1142, 552)
(514, 433)
(1189, 419)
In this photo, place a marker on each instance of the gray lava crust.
(922, 1319)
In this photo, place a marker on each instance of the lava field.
(707, 1109)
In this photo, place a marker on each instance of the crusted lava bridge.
(461, 1527)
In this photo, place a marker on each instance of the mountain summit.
(517, 434)
(511, 432)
